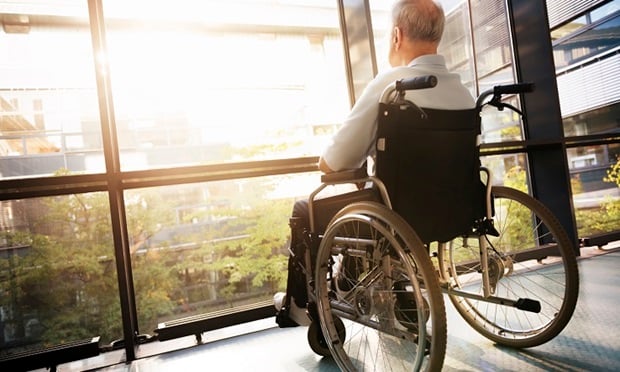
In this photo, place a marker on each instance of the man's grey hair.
(419, 19)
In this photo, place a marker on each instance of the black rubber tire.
(393, 252)
(554, 284)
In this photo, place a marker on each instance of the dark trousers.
(324, 210)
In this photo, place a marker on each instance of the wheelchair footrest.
(283, 320)
(527, 304)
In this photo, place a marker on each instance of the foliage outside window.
(606, 217)
(58, 275)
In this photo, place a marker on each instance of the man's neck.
(415, 49)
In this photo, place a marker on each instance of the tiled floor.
(590, 342)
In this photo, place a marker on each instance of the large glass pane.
(569, 28)
(491, 36)
(457, 45)
(204, 247)
(589, 43)
(58, 279)
(595, 186)
(49, 118)
(381, 19)
(261, 80)
(593, 171)
(508, 170)
(598, 121)
(605, 10)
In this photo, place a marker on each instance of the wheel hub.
(372, 300)
(496, 271)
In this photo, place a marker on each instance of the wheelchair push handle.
(514, 88)
(401, 86)
(499, 90)
(418, 82)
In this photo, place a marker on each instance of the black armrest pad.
(344, 176)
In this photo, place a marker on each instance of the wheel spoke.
(375, 275)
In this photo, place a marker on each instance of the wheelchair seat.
(428, 160)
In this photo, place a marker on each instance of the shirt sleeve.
(354, 141)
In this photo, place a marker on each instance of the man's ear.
(396, 37)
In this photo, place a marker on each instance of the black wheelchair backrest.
(429, 161)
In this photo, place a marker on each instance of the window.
(58, 272)
(585, 48)
(604, 10)
(587, 43)
(251, 84)
(593, 33)
(596, 192)
(49, 118)
(204, 247)
(200, 84)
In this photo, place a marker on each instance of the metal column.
(113, 174)
(533, 56)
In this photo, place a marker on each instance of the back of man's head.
(419, 19)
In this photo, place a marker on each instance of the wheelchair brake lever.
(510, 107)
(496, 102)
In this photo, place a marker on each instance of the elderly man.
(417, 28)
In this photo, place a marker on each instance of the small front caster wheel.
(317, 341)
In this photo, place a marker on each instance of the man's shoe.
(290, 315)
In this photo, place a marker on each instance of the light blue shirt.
(354, 141)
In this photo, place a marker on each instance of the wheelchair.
(375, 272)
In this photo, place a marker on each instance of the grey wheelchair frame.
(375, 288)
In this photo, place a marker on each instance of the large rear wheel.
(531, 263)
(374, 273)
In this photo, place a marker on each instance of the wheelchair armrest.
(345, 176)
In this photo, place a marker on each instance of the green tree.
(516, 178)
(609, 219)
(64, 278)
(261, 258)
(605, 218)
(613, 173)
(67, 280)
(521, 223)
(247, 255)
